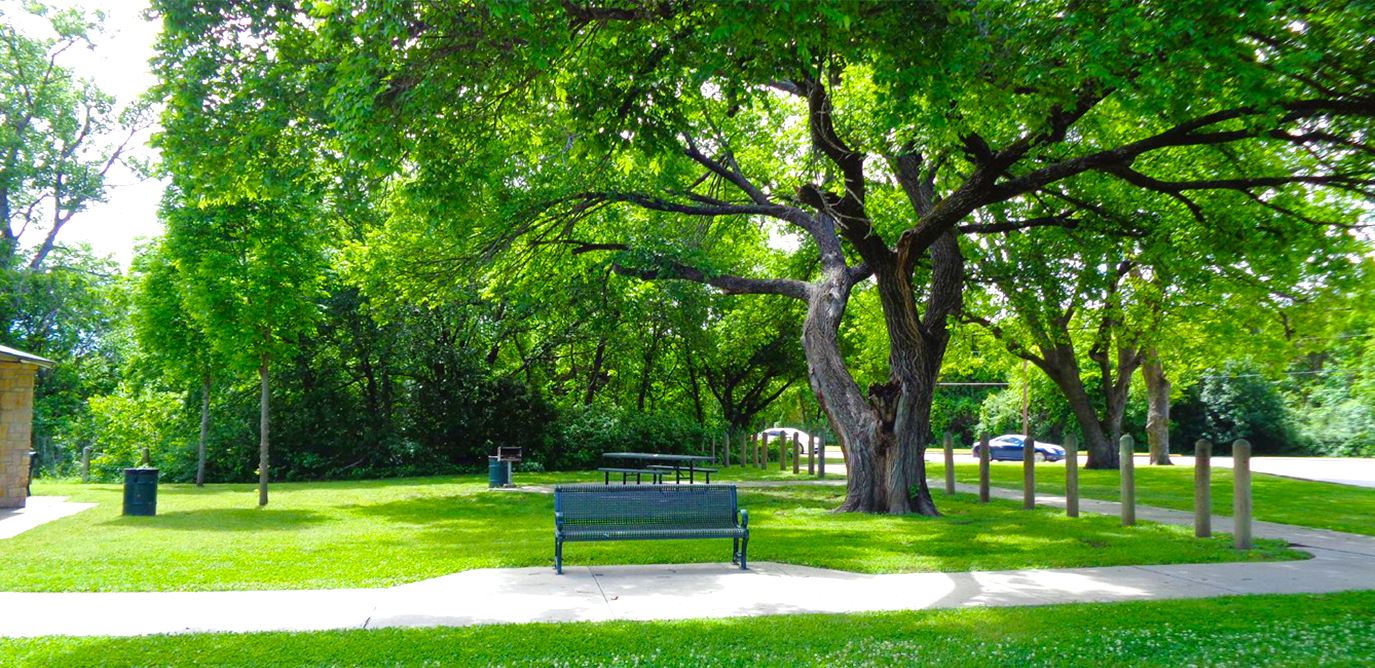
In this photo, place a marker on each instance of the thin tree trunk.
(263, 427)
(205, 430)
(1158, 408)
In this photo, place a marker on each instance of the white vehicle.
(771, 435)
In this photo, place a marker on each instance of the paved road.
(1340, 562)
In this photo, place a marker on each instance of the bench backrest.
(646, 505)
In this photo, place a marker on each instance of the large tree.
(874, 132)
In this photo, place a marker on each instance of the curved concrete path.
(1340, 562)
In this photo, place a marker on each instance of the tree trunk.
(205, 430)
(263, 426)
(1158, 406)
(1101, 447)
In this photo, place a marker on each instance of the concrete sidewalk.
(1340, 562)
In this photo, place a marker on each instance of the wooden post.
(983, 468)
(811, 454)
(949, 463)
(1127, 467)
(797, 454)
(1071, 476)
(86, 464)
(821, 458)
(147, 458)
(747, 451)
(1029, 473)
(1203, 489)
(782, 456)
(1241, 494)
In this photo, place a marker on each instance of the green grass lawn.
(1327, 630)
(1275, 499)
(380, 533)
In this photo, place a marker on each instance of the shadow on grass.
(224, 519)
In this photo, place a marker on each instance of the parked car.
(1010, 447)
(772, 434)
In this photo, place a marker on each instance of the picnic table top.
(657, 457)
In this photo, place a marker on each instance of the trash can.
(498, 472)
(141, 491)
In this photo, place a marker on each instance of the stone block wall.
(16, 429)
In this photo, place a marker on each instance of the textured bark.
(205, 430)
(263, 427)
(1158, 408)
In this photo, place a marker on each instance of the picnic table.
(656, 461)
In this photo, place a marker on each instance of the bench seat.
(654, 475)
(584, 513)
(678, 471)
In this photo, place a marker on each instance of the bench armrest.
(558, 523)
(744, 519)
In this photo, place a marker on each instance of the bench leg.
(606, 476)
(744, 548)
(708, 474)
(558, 557)
(735, 551)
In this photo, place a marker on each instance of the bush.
(582, 434)
(1237, 402)
(123, 423)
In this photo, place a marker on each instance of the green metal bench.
(648, 512)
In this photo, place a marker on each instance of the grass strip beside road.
(1274, 499)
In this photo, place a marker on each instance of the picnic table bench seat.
(649, 512)
(654, 475)
(678, 471)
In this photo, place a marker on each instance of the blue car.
(1010, 447)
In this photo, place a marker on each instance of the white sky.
(119, 65)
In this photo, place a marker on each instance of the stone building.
(17, 372)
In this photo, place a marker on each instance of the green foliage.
(124, 423)
(584, 433)
(1236, 401)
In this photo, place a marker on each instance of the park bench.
(656, 476)
(648, 512)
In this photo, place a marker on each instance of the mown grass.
(381, 533)
(1274, 499)
(1326, 630)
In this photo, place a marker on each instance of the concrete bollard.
(1071, 476)
(1241, 494)
(1126, 465)
(1029, 473)
(949, 463)
(1203, 489)
(811, 454)
(797, 454)
(86, 464)
(983, 468)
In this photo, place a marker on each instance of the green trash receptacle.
(498, 472)
(141, 491)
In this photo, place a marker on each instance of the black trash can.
(498, 472)
(140, 491)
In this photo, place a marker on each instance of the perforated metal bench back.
(646, 506)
